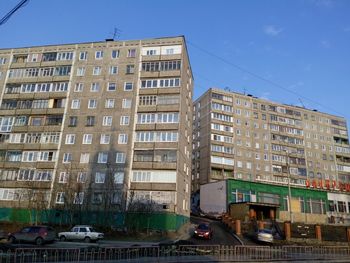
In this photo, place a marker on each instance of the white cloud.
(325, 44)
(272, 30)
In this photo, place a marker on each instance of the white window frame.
(127, 84)
(102, 157)
(120, 157)
(70, 138)
(125, 120)
(99, 54)
(104, 140)
(109, 103)
(100, 178)
(107, 121)
(84, 157)
(127, 103)
(122, 138)
(87, 138)
(92, 104)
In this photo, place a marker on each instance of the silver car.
(264, 235)
(81, 233)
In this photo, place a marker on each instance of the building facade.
(103, 125)
(241, 137)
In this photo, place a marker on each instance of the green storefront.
(306, 205)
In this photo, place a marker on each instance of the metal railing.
(172, 253)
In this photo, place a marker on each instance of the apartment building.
(97, 124)
(240, 137)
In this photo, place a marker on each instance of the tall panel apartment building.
(238, 136)
(257, 151)
(95, 124)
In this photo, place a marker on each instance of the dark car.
(33, 234)
(203, 231)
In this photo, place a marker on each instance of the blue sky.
(296, 45)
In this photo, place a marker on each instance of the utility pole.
(289, 190)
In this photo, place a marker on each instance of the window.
(131, 53)
(120, 157)
(82, 176)
(113, 70)
(126, 103)
(79, 87)
(75, 104)
(78, 198)
(73, 121)
(2, 61)
(124, 120)
(97, 198)
(169, 51)
(130, 69)
(63, 179)
(95, 87)
(102, 157)
(80, 71)
(96, 71)
(118, 178)
(90, 120)
(87, 138)
(109, 103)
(107, 121)
(92, 104)
(100, 178)
(115, 54)
(83, 55)
(128, 86)
(60, 198)
(84, 158)
(70, 138)
(99, 54)
(112, 87)
(105, 138)
(151, 52)
(67, 158)
(123, 138)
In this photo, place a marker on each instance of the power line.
(262, 78)
(9, 14)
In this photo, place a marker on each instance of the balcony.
(153, 186)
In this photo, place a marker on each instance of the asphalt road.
(221, 236)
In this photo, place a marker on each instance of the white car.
(85, 233)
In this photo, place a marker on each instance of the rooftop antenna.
(301, 102)
(227, 89)
(244, 90)
(116, 33)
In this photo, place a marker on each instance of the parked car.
(85, 233)
(204, 231)
(33, 234)
(264, 235)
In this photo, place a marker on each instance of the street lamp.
(289, 190)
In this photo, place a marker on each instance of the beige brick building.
(96, 124)
(243, 137)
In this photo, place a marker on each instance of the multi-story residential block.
(244, 138)
(97, 125)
